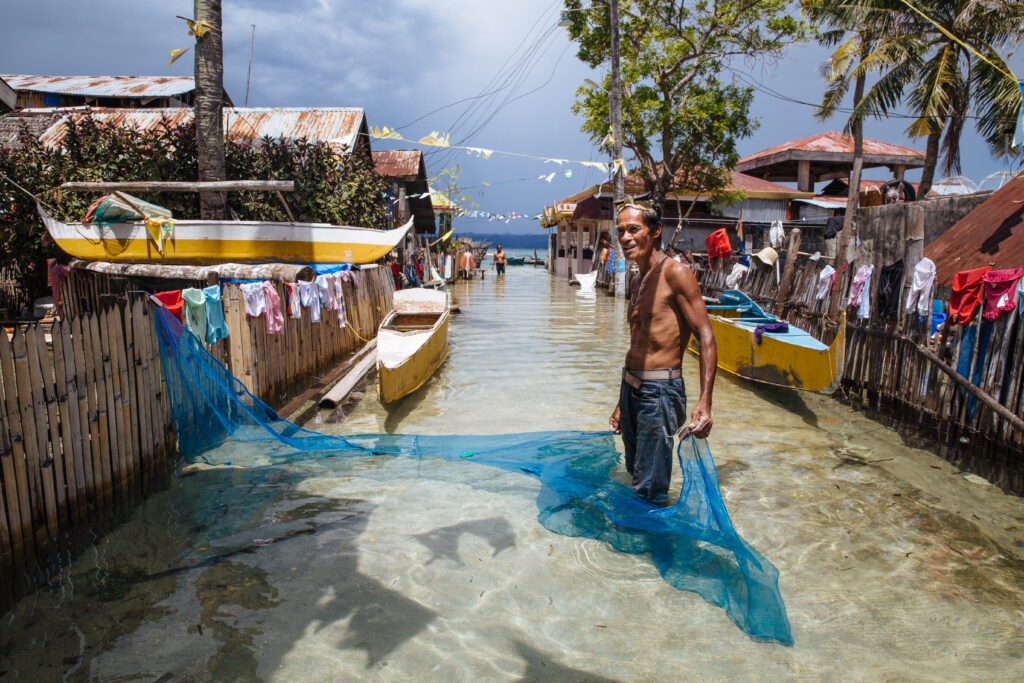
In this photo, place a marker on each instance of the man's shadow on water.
(320, 535)
(443, 542)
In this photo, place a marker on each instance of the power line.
(750, 80)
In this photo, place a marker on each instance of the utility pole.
(209, 105)
(618, 171)
(252, 43)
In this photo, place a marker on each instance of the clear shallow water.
(892, 565)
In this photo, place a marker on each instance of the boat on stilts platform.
(412, 342)
(755, 345)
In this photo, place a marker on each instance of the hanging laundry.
(1020, 296)
(777, 235)
(309, 296)
(857, 286)
(890, 287)
(921, 288)
(325, 285)
(294, 300)
(255, 298)
(339, 298)
(826, 278)
(1000, 290)
(216, 327)
(864, 311)
(275, 319)
(172, 301)
(195, 311)
(967, 286)
(833, 225)
(396, 273)
(718, 246)
(738, 271)
(57, 274)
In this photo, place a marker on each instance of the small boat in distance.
(516, 260)
(219, 241)
(412, 342)
(787, 358)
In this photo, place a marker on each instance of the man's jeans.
(649, 417)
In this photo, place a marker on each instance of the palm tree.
(928, 65)
(209, 105)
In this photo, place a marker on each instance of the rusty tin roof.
(337, 125)
(831, 143)
(399, 163)
(104, 86)
(992, 234)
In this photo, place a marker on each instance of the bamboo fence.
(85, 422)
(85, 433)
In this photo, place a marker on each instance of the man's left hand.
(700, 422)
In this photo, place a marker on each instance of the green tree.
(328, 188)
(680, 121)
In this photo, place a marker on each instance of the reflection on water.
(893, 565)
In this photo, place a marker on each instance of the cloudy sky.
(499, 75)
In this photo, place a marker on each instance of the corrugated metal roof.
(992, 234)
(104, 86)
(394, 163)
(825, 202)
(336, 125)
(835, 142)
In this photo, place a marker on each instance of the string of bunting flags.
(437, 139)
(474, 213)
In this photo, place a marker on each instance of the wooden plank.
(13, 461)
(77, 409)
(116, 428)
(68, 433)
(116, 342)
(352, 368)
(107, 459)
(288, 272)
(143, 394)
(87, 420)
(33, 413)
(183, 186)
(54, 469)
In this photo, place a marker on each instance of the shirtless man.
(665, 309)
(499, 260)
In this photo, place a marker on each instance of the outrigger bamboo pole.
(282, 272)
(183, 186)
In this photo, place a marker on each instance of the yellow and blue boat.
(412, 342)
(791, 358)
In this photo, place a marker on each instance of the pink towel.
(275, 320)
(1000, 292)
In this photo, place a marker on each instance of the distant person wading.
(665, 308)
(499, 260)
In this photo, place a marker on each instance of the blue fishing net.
(693, 543)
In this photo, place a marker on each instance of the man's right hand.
(613, 422)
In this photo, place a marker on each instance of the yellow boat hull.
(206, 242)
(776, 361)
(400, 376)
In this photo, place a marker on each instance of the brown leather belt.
(635, 377)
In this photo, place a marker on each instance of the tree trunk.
(852, 204)
(209, 106)
(931, 160)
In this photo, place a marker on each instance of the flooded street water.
(893, 565)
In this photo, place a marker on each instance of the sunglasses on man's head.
(637, 204)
